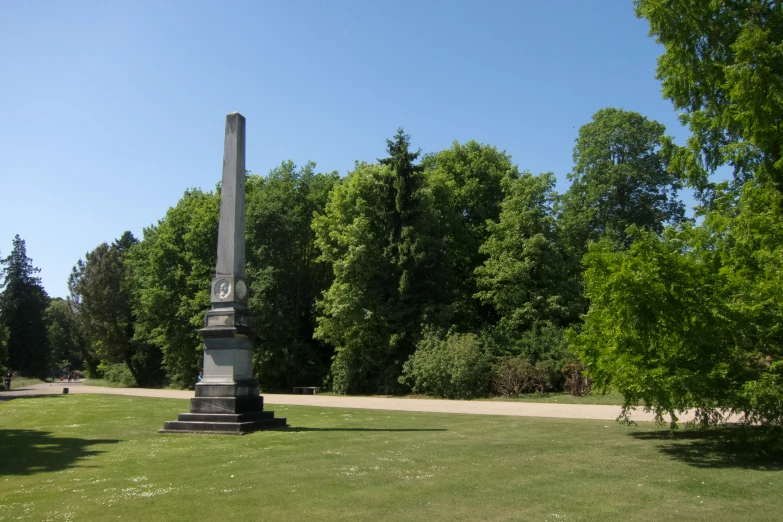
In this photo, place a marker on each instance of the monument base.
(213, 412)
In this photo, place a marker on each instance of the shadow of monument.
(379, 430)
(724, 447)
(30, 451)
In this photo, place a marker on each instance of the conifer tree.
(378, 234)
(23, 303)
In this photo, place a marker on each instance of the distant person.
(200, 375)
(8, 377)
(75, 377)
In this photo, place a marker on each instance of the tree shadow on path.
(25, 452)
(724, 447)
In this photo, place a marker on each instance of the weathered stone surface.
(225, 428)
(225, 417)
(226, 404)
(248, 388)
(231, 228)
(228, 359)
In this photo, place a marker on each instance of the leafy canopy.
(378, 233)
(723, 65)
(620, 178)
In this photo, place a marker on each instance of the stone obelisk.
(227, 398)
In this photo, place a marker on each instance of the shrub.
(455, 367)
(515, 375)
(577, 383)
(118, 374)
(547, 376)
(512, 376)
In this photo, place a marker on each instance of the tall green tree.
(173, 265)
(526, 277)
(23, 302)
(3, 346)
(100, 292)
(619, 179)
(723, 67)
(468, 183)
(379, 233)
(287, 275)
(691, 320)
(68, 342)
(170, 271)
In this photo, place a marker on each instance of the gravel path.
(516, 409)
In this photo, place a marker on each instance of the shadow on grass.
(380, 430)
(27, 451)
(8, 396)
(723, 447)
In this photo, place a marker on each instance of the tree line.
(457, 274)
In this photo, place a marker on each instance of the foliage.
(287, 276)
(577, 383)
(469, 183)
(3, 346)
(723, 66)
(118, 374)
(379, 233)
(454, 366)
(171, 270)
(100, 292)
(515, 375)
(512, 376)
(23, 303)
(652, 327)
(543, 346)
(620, 178)
(691, 320)
(527, 276)
(67, 340)
(745, 243)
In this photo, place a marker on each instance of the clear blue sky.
(109, 111)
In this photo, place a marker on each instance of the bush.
(117, 374)
(577, 383)
(512, 376)
(548, 377)
(515, 375)
(542, 344)
(454, 367)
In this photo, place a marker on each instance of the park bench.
(306, 390)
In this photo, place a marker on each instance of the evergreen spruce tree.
(23, 303)
(378, 233)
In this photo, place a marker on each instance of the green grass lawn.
(95, 457)
(23, 382)
(610, 398)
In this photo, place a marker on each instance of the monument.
(227, 398)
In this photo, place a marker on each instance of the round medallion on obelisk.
(222, 288)
(241, 290)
